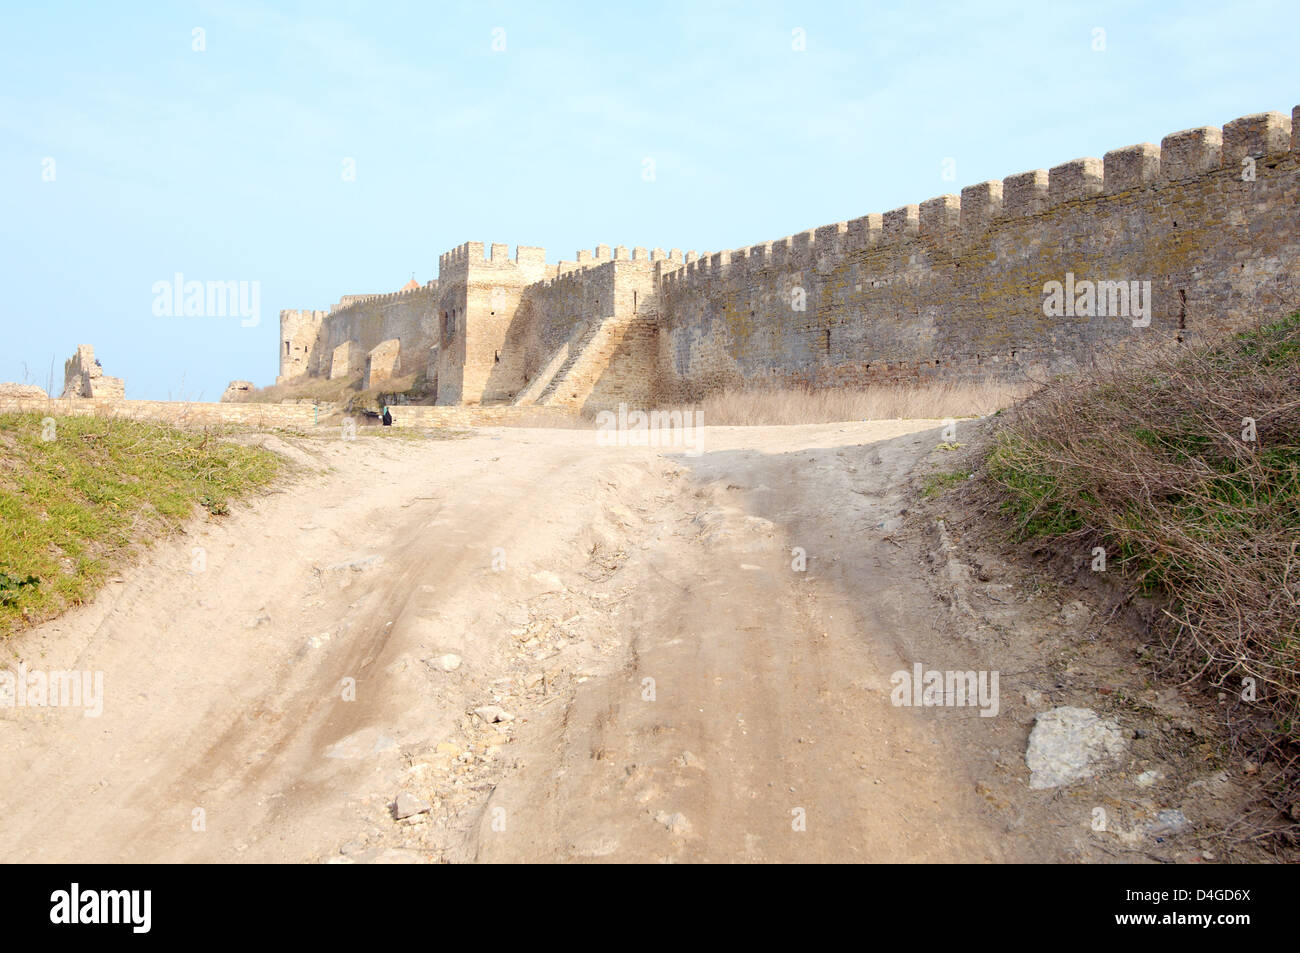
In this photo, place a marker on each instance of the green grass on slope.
(73, 505)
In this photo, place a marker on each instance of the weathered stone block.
(829, 239)
(347, 359)
(1131, 167)
(901, 222)
(865, 231)
(1025, 193)
(980, 204)
(22, 391)
(940, 215)
(1263, 134)
(383, 363)
(1190, 152)
(1074, 180)
(236, 390)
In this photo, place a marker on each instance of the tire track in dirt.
(765, 735)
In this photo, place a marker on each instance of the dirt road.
(677, 687)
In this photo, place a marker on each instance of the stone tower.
(299, 337)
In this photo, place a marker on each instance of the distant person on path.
(388, 418)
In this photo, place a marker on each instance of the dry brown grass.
(807, 405)
(1150, 459)
(552, 418)
(305, 388)
(744, 407)
(346, 392)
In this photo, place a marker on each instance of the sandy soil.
(677, 690)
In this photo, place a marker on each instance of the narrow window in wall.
(286, 348)
(634, 302)
(828, 340)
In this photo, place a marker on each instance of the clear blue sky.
(226, 165)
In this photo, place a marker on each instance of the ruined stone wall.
(405, 316)
(300, 333)
(383, 363)
(237, 390)
(84, 377)
(346, 360)
(953, 289)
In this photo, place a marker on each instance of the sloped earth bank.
(673, 688)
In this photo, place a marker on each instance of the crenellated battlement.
(1181, 155)
(880, 286)
(350, 302)
(470, 254)
(919, 286)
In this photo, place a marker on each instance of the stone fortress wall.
(951, 289)
(308, 339)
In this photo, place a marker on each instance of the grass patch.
(1185, 467)
(936, 483)
(71, 506)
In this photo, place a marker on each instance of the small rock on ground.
(1070, 744)
(492, 713)
(408, 805)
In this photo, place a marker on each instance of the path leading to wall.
(673, 688)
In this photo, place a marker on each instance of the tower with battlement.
(479, 294)
(1200, 233)
(299, 341)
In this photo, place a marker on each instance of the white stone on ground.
(1070, 744)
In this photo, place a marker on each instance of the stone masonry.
(348, 358)
(383, 363)
(84, 377)
(1202, 231)
(237, 390)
